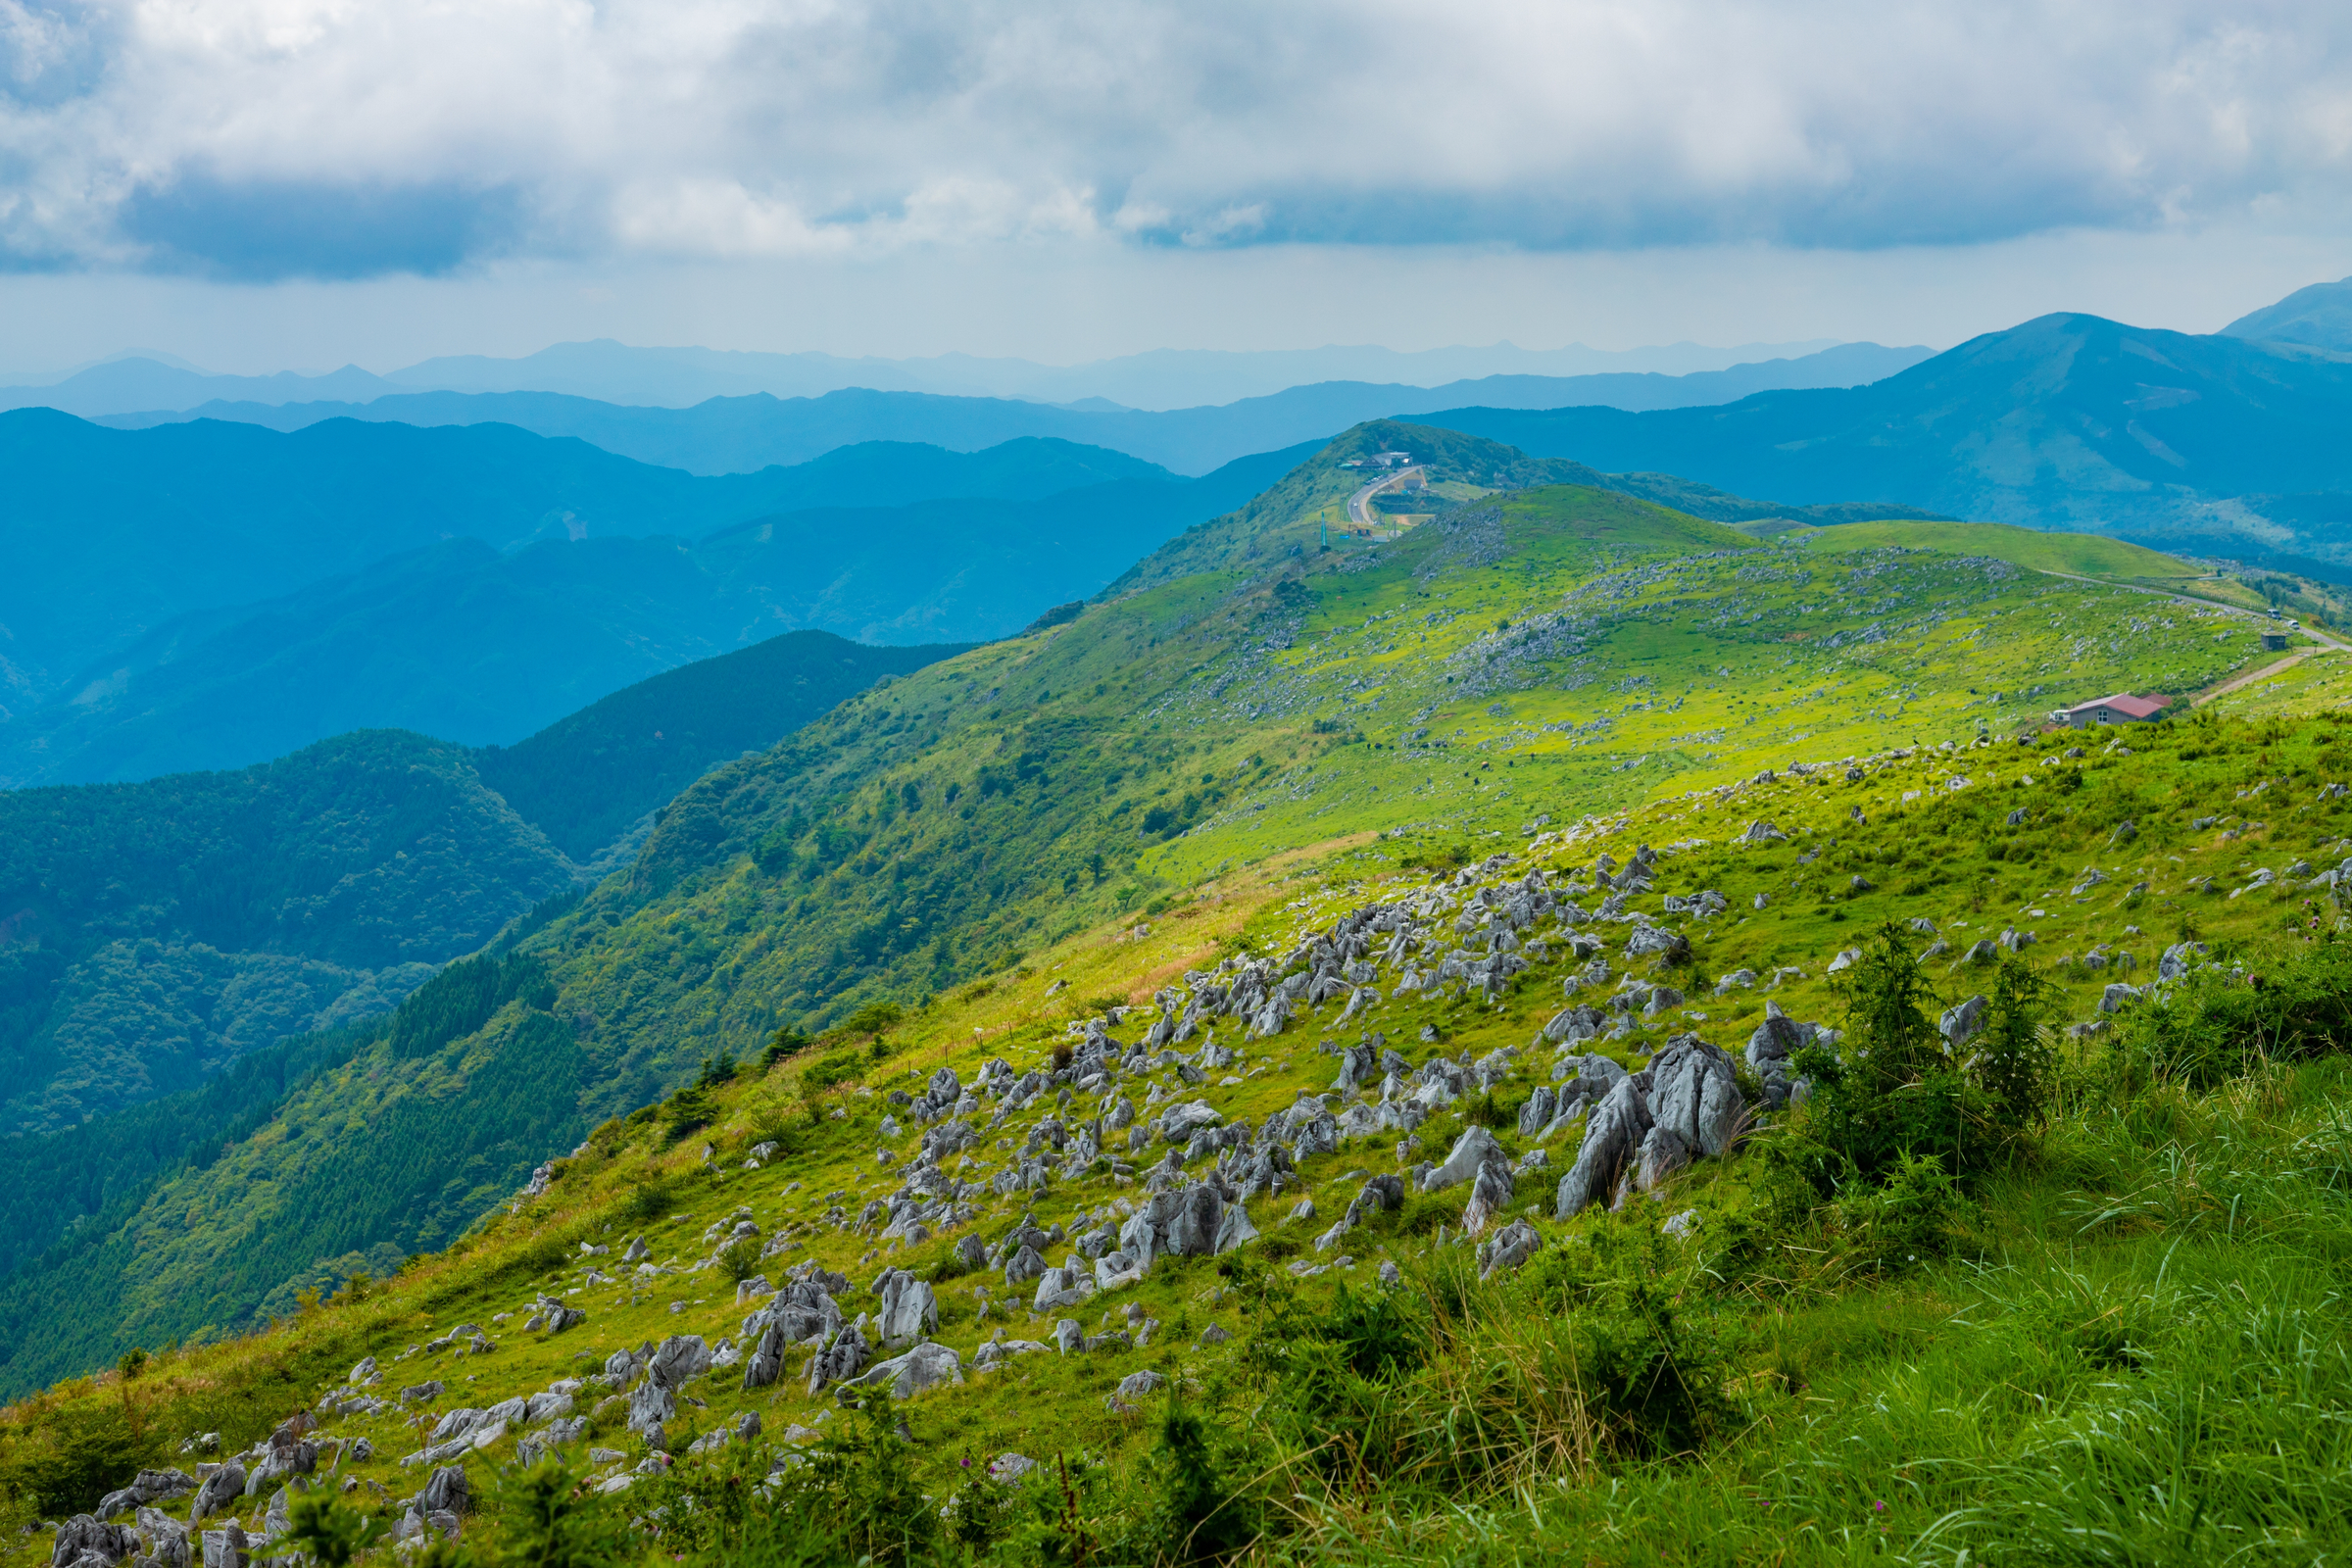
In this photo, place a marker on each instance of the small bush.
(652, 1200)
(873, 1018)
(1917, 1213)
(740, 1261)
(841, 1067)
(1192, 1513)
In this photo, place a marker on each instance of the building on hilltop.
(2121, 709)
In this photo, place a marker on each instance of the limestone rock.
(1462, 1163)
(1694, 1092)
(86, 1541)
(147, 1487)
(1613, 1134)
(1511, 1246)
(682, 1358)
(216, 1492)
(924, 1366)
(1662, 1154)
(910, 1310)
(841, 1359)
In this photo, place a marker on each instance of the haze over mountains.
(214, 594)
(210, 593)
(615, 373)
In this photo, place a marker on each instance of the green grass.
(2083, 553)
(2127, 1346)
(1571, 653)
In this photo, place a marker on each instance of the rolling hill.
(2068, 421)
(1557, 650)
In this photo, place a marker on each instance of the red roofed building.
(2121, 709)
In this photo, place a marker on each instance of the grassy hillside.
(2104, 1313)
(1550, 654)
(585, 779)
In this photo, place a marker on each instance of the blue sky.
(269, 182)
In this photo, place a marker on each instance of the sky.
(260, 184)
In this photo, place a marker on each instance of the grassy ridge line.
(798, 885)
(1817, 1349)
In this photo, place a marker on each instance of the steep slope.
(585, 779)
(156, 932)
(1896, 1352)
(2067, 420)
(1553, 652)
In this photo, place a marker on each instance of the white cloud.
(730, 129)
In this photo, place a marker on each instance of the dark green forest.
(583, 780)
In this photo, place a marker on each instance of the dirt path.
(2253, 676)
(2312, 632)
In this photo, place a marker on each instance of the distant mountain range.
(477, 583)
(741, 434)
(2219, 445)
(676, 377)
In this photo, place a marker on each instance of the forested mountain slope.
(155, 932)
(585, 779)
(1549, 652)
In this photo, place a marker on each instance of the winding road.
(1359, 505)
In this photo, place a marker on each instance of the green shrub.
(740, 1259)
(1916, 1213)
(1892, 1088)
(652, 1200)
(2013, 1055)
(841, 1067)
(2219, 1024)
(331, 1534)
(1192, 1511)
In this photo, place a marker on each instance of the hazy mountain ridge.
(410, 578)
(676, 377)
(2318, 317)
(737, 434)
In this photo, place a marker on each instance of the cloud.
(261, 138)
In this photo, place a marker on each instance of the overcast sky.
(260, 184)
